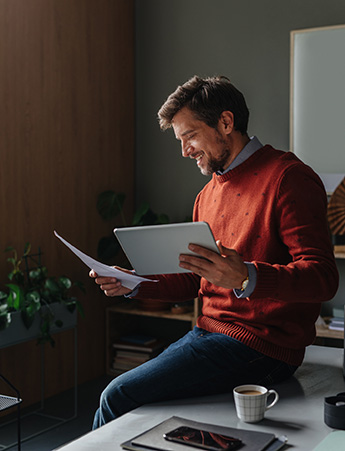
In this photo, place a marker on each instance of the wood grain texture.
(66, 134)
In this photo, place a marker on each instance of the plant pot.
(16, 332)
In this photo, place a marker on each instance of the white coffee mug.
(251, 402)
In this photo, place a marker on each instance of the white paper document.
(129, 281)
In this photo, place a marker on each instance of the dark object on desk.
(203, 439)
(153, 438)
(334, 411)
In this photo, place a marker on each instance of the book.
(332, 326)
(158, 344)
(132, 355)
(138, 339)
(336, 323)
(139, 349)
(125, 366)
(127, 362)
(337, 319)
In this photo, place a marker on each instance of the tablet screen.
(156, 249)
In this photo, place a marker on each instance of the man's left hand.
(226, 270)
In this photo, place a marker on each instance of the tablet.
(156, 249)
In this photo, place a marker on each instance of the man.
(261, 296)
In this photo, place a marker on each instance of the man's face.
(208, 146)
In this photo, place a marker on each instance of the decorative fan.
(336, 210)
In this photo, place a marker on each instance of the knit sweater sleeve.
(311, 275)
(170, 287)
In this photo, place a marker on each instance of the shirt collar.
(247, 151)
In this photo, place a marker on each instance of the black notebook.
(153, 438)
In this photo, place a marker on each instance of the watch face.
(245, 283)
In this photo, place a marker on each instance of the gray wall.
(246, 40)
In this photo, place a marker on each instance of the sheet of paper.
(128, 280)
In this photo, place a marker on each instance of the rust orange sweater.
(272, 210)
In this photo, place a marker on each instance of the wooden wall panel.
(66, 134)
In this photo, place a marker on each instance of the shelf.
(323, 331)
(125, 316)
(8, 401)
(339, 251)
(131, 308)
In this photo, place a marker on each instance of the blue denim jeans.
(201, 363)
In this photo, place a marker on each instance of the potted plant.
(34, 303)
(110, 207)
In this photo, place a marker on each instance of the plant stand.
(39, 414)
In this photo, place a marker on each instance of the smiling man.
(262, 294)
(212, 148)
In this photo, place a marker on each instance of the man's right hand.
(110, 285)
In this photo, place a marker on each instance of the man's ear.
(226, 122)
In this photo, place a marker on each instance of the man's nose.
(186, 149)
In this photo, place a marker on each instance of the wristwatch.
(245, 283)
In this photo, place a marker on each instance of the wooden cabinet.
(127, 317)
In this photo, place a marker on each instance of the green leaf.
(45, 336)
(45, 326)
(149, 218)
(140, 213)
(3, 296)
(110, 204)
(79, 285)
(3, 309)
(5, 320)
(27, 249)
(70, 304)
(65, 282)
(27, 318)
(80, 309)
(163, 219)
(30, 311)
(16, 296)
(35, 274)
(33, 297)
(33, 304)
(51, 285)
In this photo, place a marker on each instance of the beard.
(217, 164)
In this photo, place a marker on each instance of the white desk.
(298, 414)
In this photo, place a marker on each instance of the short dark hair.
(207, 98)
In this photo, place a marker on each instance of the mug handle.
(275, 400)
